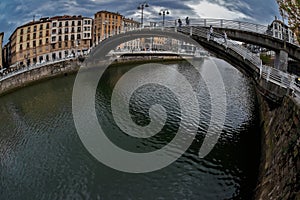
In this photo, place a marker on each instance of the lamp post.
(142, 6)
(164, 12)
(283, 28)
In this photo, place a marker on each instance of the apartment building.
(106, 24)
(127, 25)
(1, 51)
(70, 35)
(28, 42)
(49, 39)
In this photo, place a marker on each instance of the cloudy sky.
(14, 13)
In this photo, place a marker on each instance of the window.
(21, 31)
(28, 30)
(41, 34)
(54, 31)
(27, 45)
(40, 42)
(53, 39)
(59, 38)
(59, 45)
(72, 37)
(34, 43)
(66, 23)
(59, 31)
(60, 24)
(47, 33)
(79, 23)
(78, 36)
(34, 29)
(21, 39)
(47, 26)
(28, 37)
(54, 24)
(79, 29)
(47, 40)
(41, 27)
(73, 23)
(73, 30)
(66, 30)
(66, 37)
(34, 35)
(21, 47)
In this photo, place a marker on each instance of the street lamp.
(164, 12)
(142, 6)
(283, 28)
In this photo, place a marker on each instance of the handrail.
(276, 76)
(226, 24)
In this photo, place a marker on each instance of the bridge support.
(281, 60)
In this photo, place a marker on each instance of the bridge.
(274, 83)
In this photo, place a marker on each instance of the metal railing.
(223, 23)
(278, 77)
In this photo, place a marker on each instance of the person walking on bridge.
(210, 33)
(179, 22)
(225, 38)
(187, 21)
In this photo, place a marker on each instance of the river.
(42, 156)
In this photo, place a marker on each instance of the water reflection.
(41, 156)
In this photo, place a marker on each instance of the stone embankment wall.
(280, 164)
(38, 74)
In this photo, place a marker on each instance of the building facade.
(106, 24)
(127, 25)
(281, 31)
(49, 39)
(1, 50)
(70, 36)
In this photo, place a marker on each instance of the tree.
(291, 9)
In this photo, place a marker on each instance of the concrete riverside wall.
(279, 176)
(38, 74)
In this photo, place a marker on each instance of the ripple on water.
(41, 156)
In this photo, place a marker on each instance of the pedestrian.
(225, 37)
(179, 22)
(187, 21)
(210, 33)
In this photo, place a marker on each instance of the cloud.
(206, 9)
(14, 13)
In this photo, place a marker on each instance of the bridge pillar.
(281, 60)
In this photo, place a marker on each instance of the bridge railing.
(296, 90)
(278, 77)
(217, 37)
(223, 23)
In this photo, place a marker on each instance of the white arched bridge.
(229, 50)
